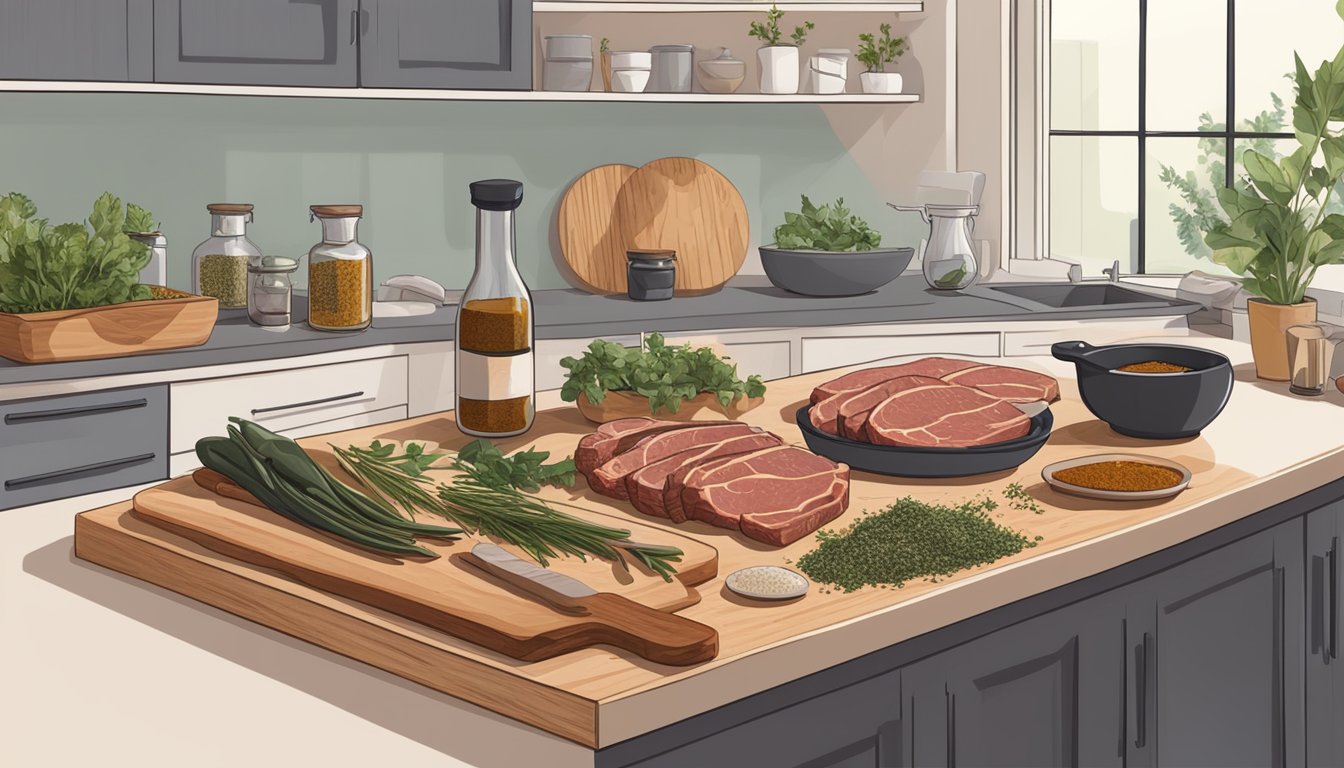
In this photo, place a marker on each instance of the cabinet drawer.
(285, 400)
(57, 447)
(821, 352)
(1020, 343)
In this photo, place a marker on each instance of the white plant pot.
(881, 82)
(779, 69)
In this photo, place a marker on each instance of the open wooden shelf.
(709, 6)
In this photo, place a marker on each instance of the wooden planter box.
(625, 405)
(111, 331)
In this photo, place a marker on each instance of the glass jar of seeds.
(219, 265)
(269, 290)
(340, 272)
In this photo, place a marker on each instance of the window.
(1147, 98)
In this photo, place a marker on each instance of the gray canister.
(672, 69)
(650, 274)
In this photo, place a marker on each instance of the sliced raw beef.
(1015, 385)
(619, 436)
(645, 486)
(944, 415)
(609, 479)
(933, 367)
(854, 411)
(776, 495)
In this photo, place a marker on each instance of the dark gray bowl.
(822, 273)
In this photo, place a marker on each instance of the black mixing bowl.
(1156, 406)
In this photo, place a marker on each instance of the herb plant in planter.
(1278, 232)
(875, 53)
(778, 61)
(828, 251)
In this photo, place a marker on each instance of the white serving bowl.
(629, 80)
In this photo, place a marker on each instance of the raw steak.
(776, 495)
(856, 407)
(1015, 385)
(646, 486)
(613, 437)
(609, 479)
(944, 415)
(934, 367)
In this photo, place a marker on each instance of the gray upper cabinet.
(75, 40)
(256, 42)
(467, 44)
(1325, 670)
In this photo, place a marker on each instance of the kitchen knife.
(665, 638)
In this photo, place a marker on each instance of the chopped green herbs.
(830, 227)
(910, 540)
(665, 375)
(1019, 499)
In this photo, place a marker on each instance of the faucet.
(1112, 272)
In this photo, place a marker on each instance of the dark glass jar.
(650, 275)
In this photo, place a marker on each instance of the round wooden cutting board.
(683, 204)
(592, 240)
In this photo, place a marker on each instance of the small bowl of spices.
(767, 582)
(1118, 477)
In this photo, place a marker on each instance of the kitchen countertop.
(72, 628)
(746, 302)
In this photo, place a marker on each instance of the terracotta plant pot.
(1269, 342)
(626, 405)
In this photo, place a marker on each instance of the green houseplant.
(828, 251)
(1278, 230)
(778, 61)
(875, 53)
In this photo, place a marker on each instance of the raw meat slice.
(933, 367)
(944, 415)
(609, 479)
(857, 405)
(646, 486)
(1016, 385)
(618, 436)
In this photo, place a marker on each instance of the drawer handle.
(1141, 654)
(67, 413)
(1333, 615)
(320, 401)
(61, 474)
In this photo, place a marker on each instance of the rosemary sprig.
(485, 503)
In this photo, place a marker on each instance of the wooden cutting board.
(446, 594)
(684, 205)
(592, 238)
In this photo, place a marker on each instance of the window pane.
(1094, 65)
(1094, 200)
(1187, 64)
(1183, 177)
(1267, 35)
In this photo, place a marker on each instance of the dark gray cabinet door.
(1324, 671)
(1214, 647)
(256, 42)
(72, 40)
(465, 44)
(1046, 692)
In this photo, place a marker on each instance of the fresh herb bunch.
(604, 46)
(769, 32)
(829, 228)
(482, 500)
(285, 478)
(525, 470)
(876, 52)
(67, 266)
(139, 221)
(666, 375)
(910, 540)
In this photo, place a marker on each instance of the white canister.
(828, 71)
(672, 69)
(569, 63)
(779, 69)
(156, 271)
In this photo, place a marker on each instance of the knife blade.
(552, 587)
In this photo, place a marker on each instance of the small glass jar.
(219, 265)
(270, 290)
(651, 275)
(340, 272)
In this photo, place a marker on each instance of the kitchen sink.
(1075, 295)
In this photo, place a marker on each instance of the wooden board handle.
(665, 638)
(217, 483)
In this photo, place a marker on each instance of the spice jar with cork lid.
(219, 265)
(340, 272)
(496, 386)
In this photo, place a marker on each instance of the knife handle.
(661, 637)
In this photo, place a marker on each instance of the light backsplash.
(407, 162)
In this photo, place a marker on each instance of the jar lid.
(229, 208)
(672, 48)
(336, 211)
(497, 194)
(650, 254)
(725, 55)
(272, 264)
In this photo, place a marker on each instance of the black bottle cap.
(497, 194)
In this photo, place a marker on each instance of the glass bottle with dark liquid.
(496, 385)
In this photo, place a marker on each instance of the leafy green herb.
(829, 228)
(1019, 499)
(139, 220)
(665, 375)
(604, 46)
(769, 32)
(67, 266)
(952, 279)
(910, 540)
(876, 53)
(479, 499)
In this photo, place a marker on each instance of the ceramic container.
(881, 82)
(629, 80)
(671, 69)
(621, 60)
(828, 71)
(569, 47)
(569, 63)
(779, 69)
(723, 73)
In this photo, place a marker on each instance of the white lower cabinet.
(823, 352)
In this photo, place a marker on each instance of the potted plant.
(1278, 233)
(73, 292)
(875, 53)
(778, 61)
(827, 251)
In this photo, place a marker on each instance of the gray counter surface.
(747, 302)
